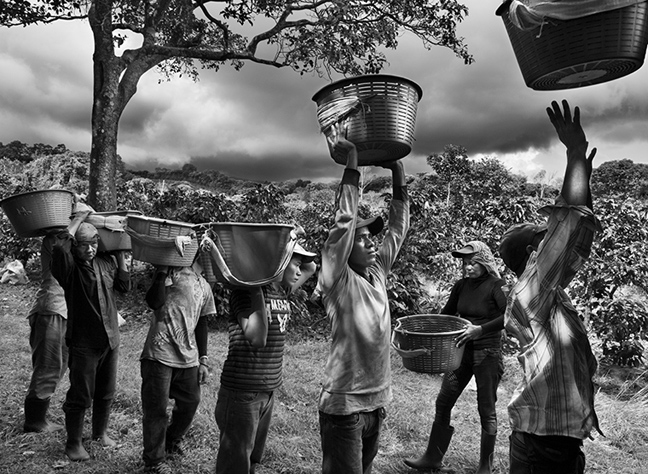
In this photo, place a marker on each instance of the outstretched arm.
(576, 189)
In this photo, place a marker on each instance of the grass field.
(293, 447)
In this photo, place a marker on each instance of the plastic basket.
(156, 241)
(382, 123)
(250, 254)
(35, 213)
(566, 54)
(426, 342)
(111, 227)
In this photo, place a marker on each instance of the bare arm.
(254, 322)
(576, 189)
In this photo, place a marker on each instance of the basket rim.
(129, 212)
(38, 191)
(244, 224)
(363, 78)
(444, 333)
(160, 221)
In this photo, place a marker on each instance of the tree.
(452, 166)
(345, 36)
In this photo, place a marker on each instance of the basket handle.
(406, 354)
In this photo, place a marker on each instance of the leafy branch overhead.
(344, 36)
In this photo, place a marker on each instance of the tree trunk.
(107, 107)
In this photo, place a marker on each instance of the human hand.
(470, 333)
(341, 149)
(206, 244)
(569, 129)
(203, 374)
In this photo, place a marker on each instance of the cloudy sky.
(260, 123)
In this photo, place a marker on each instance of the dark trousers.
(532, 454)
(487, 367)
(243, 419)
(159, 384)
(350, 442)
(93, 377)
(49, 354)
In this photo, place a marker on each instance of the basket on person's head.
(426, 342)
(581, 51)
(35, 213)
(250, 254)
(378, 112)
(111, 226)
(162, 242)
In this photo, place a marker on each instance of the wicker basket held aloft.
(578, 52)
(377, 111)
(35, 213)
(249, 254)
(426, 342)
(162, 242)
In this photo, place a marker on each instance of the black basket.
(565, 54)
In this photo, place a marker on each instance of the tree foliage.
(179, 36)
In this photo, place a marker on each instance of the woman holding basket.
(477, 297)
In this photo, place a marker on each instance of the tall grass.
(294, 446)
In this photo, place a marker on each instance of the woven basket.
(250, 254)
(426, 342)
(112, 239)
(154, 241)
(35, 213)
(582, 51)
(382, 124)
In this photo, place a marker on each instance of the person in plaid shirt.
(552, 410)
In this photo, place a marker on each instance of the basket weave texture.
(581, 51)
(154, 241)
(250, 254)
(35, 213)
(426, 342)
(383, 126)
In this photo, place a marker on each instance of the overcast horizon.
(260, 123)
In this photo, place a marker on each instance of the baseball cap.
(514, 242)
(374, 224)
(305, 254)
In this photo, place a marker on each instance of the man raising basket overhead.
(352, 282)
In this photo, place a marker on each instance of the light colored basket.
(426, 342)
(154, 241)
(382, 123)
(250, 254)
(112, 239)
(566, 54)
(35, 213)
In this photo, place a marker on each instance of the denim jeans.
(350, 442)
(93, 377)
(487, 367)
(532, 454)
(49, 354)
(243, 419)
(159, 384)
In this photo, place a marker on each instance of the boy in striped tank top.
(251, 373)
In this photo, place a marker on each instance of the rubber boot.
(36, 417)
(74, 446)
(100, 417)
(438, 443)
(486, 453)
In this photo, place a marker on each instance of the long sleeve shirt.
(482, 302)
(89, 292)
(357, 376)
(556, 396)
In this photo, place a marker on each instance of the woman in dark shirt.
(477, 297)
